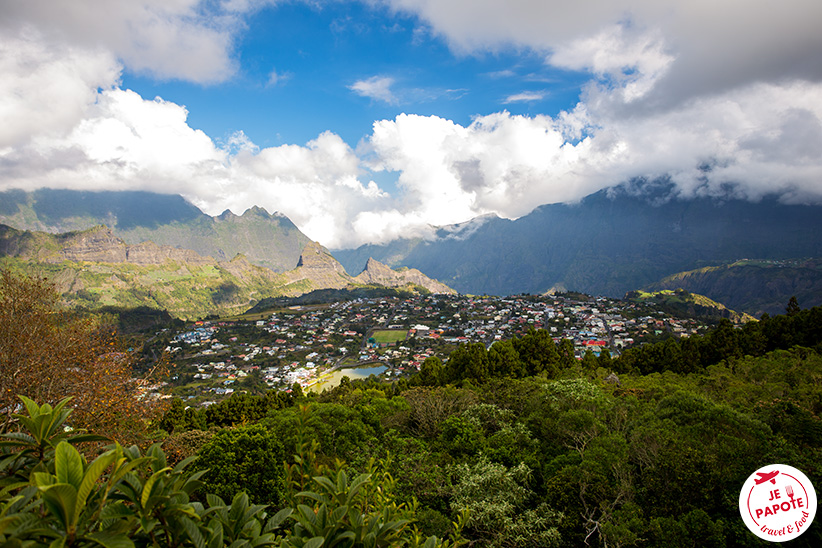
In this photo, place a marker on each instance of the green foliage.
(462, 436)
(495, 499)
(468, 361)
(802, 328)
(333, 510)
(243, 408)
(535, 353)
(579, 459)
(246, 458)
(41, 431)
(124, 499)
(431, 373)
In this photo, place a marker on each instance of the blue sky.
(298, 63)
(368, 120)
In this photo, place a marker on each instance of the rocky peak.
(226, 215)
(376, 273)
(318, 267)
(256, 211)
(316, 257)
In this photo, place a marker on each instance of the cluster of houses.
(304, 344)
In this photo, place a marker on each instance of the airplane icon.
(766, 476)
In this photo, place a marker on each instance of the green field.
(389, 335)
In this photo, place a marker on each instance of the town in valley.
(315, 346)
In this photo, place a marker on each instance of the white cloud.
(525, 97)
(277, 78)
(716, 45)
(377, 88)
(185, 39)
(46, 88)
(633, 61)
(506, 73)
(761, 139)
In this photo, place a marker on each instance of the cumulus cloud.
(377, 88)
(46, 88)
(761, 140)
(184, 39)
(632, 61)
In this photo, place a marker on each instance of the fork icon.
(789, 491)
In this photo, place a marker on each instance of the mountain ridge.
(94, 268)
(608, 244)
(267, 239)
(376, 273)
(764, 286)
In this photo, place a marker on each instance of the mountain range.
(613, 242)
(269, 240)
(635, 236)
(94, 269)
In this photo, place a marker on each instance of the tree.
(468, 361)
(504, 361)
(793, 307)
(496, 500)
(248, 458)
(431, 372)
(538, 353)
(48, 352)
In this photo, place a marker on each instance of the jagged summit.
(257, 211)
(315, 256)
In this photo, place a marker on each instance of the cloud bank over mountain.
(723, 99)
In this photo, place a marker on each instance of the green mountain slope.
(684, 303)
(753, 286)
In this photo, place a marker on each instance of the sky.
(364, 121)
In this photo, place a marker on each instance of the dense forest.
(517, 445)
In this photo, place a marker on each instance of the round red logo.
(777, 503)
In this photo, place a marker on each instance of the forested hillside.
(650, 449)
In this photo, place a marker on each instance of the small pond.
(333, 379)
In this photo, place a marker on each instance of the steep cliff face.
(149, 253)
(376, 273)
(97, 245)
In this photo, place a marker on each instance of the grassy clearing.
(389, 336)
